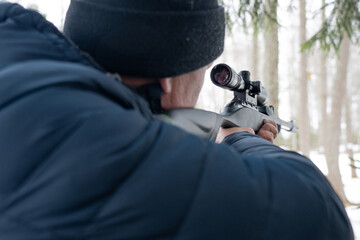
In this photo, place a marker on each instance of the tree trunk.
(255, 57)
(271, 60)
(304, 131)
(293, 90)
(358, 127)
(349, 131)
(322, 86)
(334, 128)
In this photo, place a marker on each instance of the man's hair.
(148, 38)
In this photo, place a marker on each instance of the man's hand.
(268, 131)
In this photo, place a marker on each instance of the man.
(83, 157)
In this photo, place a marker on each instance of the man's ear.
(166, 84)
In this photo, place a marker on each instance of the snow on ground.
(351, 185)
(354, 215)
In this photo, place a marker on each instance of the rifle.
(246, 109)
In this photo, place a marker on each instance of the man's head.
(167, 41)
(148, 38)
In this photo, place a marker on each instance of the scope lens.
(221, 75)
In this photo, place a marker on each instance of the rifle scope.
(225, 77)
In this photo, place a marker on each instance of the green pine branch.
(344, 19)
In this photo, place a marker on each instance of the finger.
(266, 135)
(270, 121)
(270, 127)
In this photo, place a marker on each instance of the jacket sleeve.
(277, 194)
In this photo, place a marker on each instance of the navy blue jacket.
(81, 157)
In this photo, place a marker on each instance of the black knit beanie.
(148, 38)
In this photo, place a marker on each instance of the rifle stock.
(206, 124)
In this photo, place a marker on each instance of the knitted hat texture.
(148, 38)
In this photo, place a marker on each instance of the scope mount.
(249, 94)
